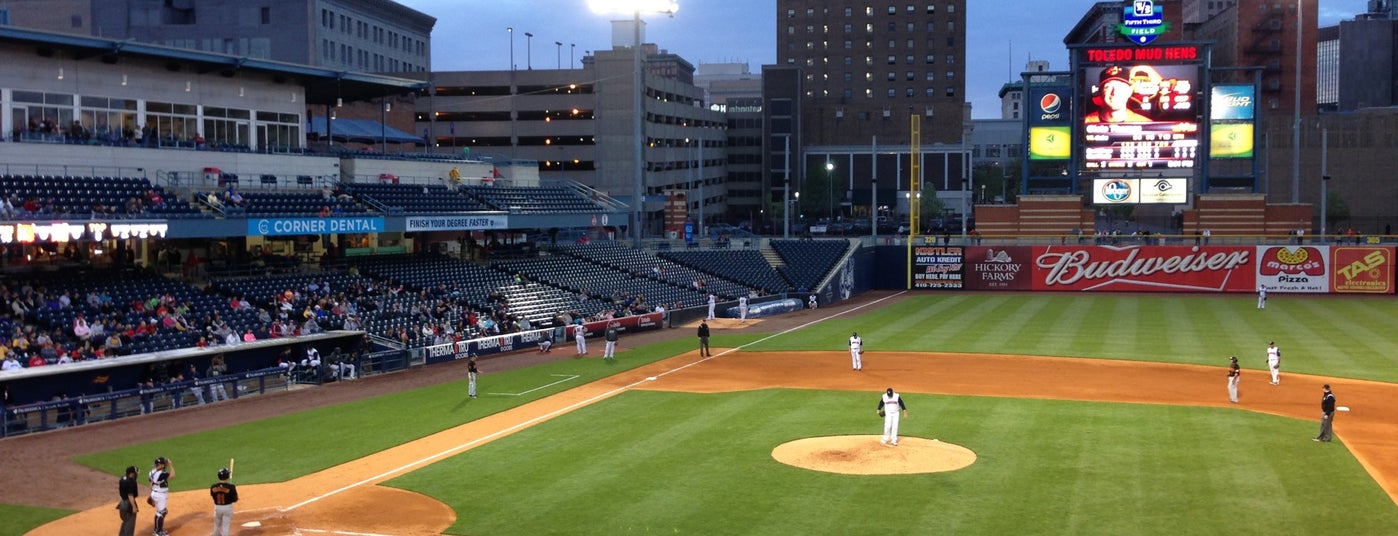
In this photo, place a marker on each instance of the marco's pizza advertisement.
(1294, 269)
(1364, 270)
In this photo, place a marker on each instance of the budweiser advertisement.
(1145, 268)
(1294, 269)
(999, 268)
(1362, 270)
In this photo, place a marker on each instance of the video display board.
(1232, 112)
(1141, 107)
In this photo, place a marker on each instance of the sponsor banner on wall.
(938, 267)
(530, 339)
(1296, 269)
(1145, 268)
(1364, 270)
(999, 268)
(456, 223)
(314, 226)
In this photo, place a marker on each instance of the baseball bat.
(230, 468)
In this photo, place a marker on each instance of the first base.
(1342, 408)
(252, 524)
(651, 378)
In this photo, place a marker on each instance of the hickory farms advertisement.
(1366, 270)
(999, 268)
(1145, 268)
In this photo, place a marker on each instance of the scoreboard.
(1140, 107)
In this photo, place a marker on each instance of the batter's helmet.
(161, 461)
(223, 474)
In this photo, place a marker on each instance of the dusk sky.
(1002, 35)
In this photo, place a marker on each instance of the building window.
(951, 75)
(951, 26)
(868, 93)
(849, 27)
(892, 10)
(931, 9)
(810, 29)
(849, 93)
(266, 14)
(951, 42)
(931, 92)
(910, 92)
(892, 76)
(868, 11)
(931, 76)
(868, 60)
(909, 76)
(931, 59)
(891, 44)
(849, 77)
(931, 26)
(790, 13)
(810, 62)
(951, 60)
(892, 93)
(810, 12)
(892, 27)
(868, 76)
(892, 60)
(911, 43)
(76, 21)
(911, 9)
(951, 91)
(790, 30)
(849, 11)
(849, 45)
(911, 28)
(908, 59)
(951, 8)
(869, 28)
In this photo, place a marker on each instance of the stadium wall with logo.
(1312, 269)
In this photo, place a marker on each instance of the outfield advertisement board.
(530, 339)
(999, 268)
(1362, 270)
(939, 267)
(1145, 268)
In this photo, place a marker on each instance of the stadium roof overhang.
(322, 86)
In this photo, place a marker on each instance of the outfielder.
(890, 405)
(224, 493)
(1234, 376)
(471, 372)
(580, 335)
(1274, 362)
(742, 308)
(856, 351)
(1261, 296)
(159, 477)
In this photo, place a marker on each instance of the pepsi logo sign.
(1049, 105)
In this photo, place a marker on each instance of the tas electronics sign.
(1364, 270)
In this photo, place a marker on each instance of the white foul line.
(511, 429)
(566, 378)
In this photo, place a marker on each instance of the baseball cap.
(1114, 73)
(160, 460)
(223, 474)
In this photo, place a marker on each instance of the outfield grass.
(700, 464)
(1340, 337)
(678, 463)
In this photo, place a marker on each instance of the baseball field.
(1086, 414)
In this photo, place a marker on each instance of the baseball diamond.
(668, 440)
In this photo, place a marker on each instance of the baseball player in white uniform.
(856, 351)
(1261, 296)
(1274, 362)
(580, 335)
(159, 477)
(891, 407)
(742, 308)
(713, 302)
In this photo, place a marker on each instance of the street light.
(528, 51)
(830, 189)
(511, 29)
(635, 7)
(571, 48)
(558, 48)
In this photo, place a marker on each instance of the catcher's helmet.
(161, 461)
(223, 474)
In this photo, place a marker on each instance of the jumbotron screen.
(1140, 116)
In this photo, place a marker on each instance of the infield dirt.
(347, 497)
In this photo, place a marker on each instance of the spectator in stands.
(248, 336)
(199, 141)
(113, 345)
(36, 360)
(11, 362)
(81, 329)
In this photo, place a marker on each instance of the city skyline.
(999, 39)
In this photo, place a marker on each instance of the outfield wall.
(1312, 269)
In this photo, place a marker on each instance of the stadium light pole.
(635, 7)
(528, 51)
(558, 52)
(572, 48)
(1296, 113)
(786, 185)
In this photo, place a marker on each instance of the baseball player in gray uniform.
(1261, 296)
(742, 308)
(890, 406)
(224, 494)
(1274, 362)
(159, 477)
(580, 336)
(471, 373)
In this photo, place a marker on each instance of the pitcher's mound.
(864, 455)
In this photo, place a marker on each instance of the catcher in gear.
(159, 477)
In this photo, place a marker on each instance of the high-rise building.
(358, 35)
(866, 67)
(1263, 34)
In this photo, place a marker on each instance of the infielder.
(471, 372)
(159, 477)
(224, 493)
(742, 308)
(856, 351)
(1234, 376)
(890, 405)
(609, 351)
(713, 302)
(1274, 362)
(1261, 296)
(580, 335)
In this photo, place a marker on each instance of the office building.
(358, 35)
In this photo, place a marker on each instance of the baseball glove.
(150, 500)
(881, 413)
